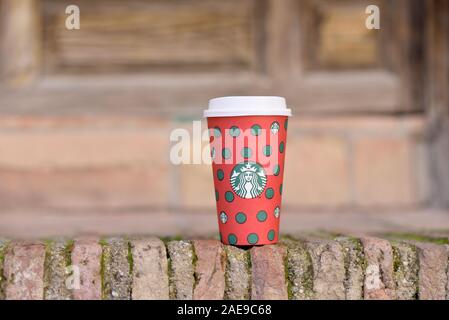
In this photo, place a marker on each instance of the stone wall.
(324, 267)
(113, 163)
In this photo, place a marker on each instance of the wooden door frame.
(282, 72)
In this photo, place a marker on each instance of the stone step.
(399, 267)
(43, 224)
(114, 162)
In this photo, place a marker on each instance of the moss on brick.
(130, 258)
(355, 267)
(405, 267)
(68, 251)
(3, 246)
(194, 263)
(181, 269)
(287, 278)
(102, 243)
(299, 269)
(416, 237)
(57, 261)
(116, 269)
(237, 273)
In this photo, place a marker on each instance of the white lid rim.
(234, 106)
(239, 113)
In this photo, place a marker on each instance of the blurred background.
(85, 115)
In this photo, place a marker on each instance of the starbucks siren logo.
(248, 180)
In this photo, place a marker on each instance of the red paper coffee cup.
(248, 137)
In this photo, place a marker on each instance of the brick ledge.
(402, 267)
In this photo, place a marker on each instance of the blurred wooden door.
(171, 56)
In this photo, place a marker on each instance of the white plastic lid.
(247, 106)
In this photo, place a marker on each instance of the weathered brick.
(56, 271)
(383, 171)
(3, 245)
(24, 271)
(116, 269)
(181, 270)
(355, 265)
(150, 269)
(432, 276)
(379, 281)
(405, 262)
(209, 270)
(268, 273)
(86, 259)
(328, 269)
(299, 270)
(238, 276)
(322, 178)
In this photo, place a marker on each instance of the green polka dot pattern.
(232, 238)
(252, 238)
(271, 234)
(234, 131)
(229, 196)
(220, 174)
(240, 218)
(246, 152)
(269, 193)
(256, 130)
(267, 151)
(248, 219)
(226, 153)
(276, 170)
(262, 215)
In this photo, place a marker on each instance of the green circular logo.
(246, 152)
(280, 188)
(269, 193)
(216, 195)
(220, 174)
(234, 131)
(281, 147)
(252, 238)
(232, 238)
(261, 215)
(240, 217)
(248, 180)
(275, 127)
(276, 170)
(256, 130)
(217, 132)
(229, 196)
(226, 153)
(267, 151)
(271, 235)
(286, 124)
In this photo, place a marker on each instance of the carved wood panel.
(159, 34)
